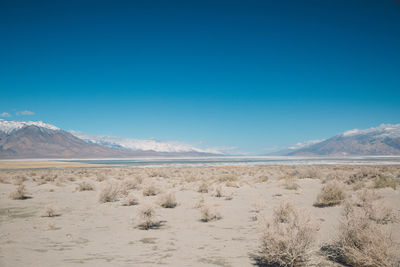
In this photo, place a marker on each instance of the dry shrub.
(19, 180)
(129, 201)
(283, 212)
(19, 193)
(85, 186)
(361, 242)
(168, 201)
(290, 184)
(287, 240)
(331, 194)
(375, 211)
(228, 178)
(203, 188)
(262, 179)
(150, 190)
(49, 211)
(128, 185)
(147, 217)
(385, 181)
(232, 184)
(200, 203)
(256, 209)
(109, 192)
(209, 214)
(218, 192)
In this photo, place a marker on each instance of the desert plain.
(340, 215)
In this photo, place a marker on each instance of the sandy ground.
(86, 232)
(43, 164)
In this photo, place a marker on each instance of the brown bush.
(331, 194)
(385, 181)
(208, 214)
(19, 193)
(168, 201)
(109, 192)
(85, 186)
(361, 242)
(287, 240)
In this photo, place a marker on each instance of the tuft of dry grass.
(385, 181)
(168, 201)
(19, 193)
(209, 214)
(109, 192)
(150, 190)
(361, 242)
(331, 194)
(147, 217)
(290, 184)
(203, 188)
(85, 186)
(287, 240)
(218, 192)
(129, 201)
(49, 211)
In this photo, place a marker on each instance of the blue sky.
(255, 75)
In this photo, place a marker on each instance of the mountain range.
(30, 139)
(377, 141)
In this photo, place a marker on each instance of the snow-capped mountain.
(381, 140)
(140, 144)
(10, 126)
(29, 139)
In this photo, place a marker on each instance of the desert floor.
(91, 216)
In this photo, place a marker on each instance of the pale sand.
(89, 233)
(43, 164)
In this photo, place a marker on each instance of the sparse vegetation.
(287, 238)
(150, 190)
(385, 181)
(218, 192)
(147, 217)
(109, 192)
(19, 193)
(209, 214)
(203, 188)
(361, 242)
(331, 194)
(85, 186)
(49, 211)
(168, 201)
(129, 201)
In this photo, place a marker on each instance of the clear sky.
(255, 75)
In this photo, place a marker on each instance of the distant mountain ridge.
(28, 139)
(376, 141)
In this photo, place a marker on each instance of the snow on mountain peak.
(383, 130)
(140, 144)
(10, 126)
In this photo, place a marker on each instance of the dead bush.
(287, 240)
(385, 181)
(150, 190)
(203, 188)
(331, 194)
(109, 192)
(209, 214)
(19, 193)
(168, 201)
(85, 186)
(361, 242)
(49, 211)
(218, 192)
(147, 218)
(129, 201)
